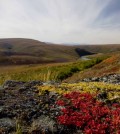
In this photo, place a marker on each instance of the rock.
(102, 96)
(7, 124)
(1, 88)
(95, 79)
(87, 79)
(111, 78)
(12, 83)
(51, 83)
(45, 124)
(34, 83)
(22, 89)
(21, 100)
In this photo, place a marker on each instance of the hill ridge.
(30, 51)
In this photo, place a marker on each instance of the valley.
(47, 88)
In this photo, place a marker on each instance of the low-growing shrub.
(86, 113)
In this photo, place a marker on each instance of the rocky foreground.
(21, 104)
(24, 110)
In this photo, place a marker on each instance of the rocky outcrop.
(21, 104)
(111, 78)
(21, 101)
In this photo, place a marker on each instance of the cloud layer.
(61, 21)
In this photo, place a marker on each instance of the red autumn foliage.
(60, 103)
(88, 114)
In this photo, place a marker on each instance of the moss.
(112, 90)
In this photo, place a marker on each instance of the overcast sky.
(61, 21)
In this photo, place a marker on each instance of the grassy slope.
(58, 71)
(108, 66)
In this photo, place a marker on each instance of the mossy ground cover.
(86, 107)
(112, 91)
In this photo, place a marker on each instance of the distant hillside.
(29, 51)
(100, 48)
(26, 51)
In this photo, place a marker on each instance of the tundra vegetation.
(54, 72)
(55, 98)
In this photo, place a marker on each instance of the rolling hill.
(16, 51)
(103, 48)
(26, 51)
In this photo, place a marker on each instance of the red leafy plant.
(86, 113)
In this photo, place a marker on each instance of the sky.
(61, 21)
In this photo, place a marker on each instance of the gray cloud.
(59, 21)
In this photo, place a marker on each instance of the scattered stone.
(45, 124)
(7, 125)
(12, 83)
(111, 78)
(102, 96)
(51, 83)
(1, 88)
(20, 100)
